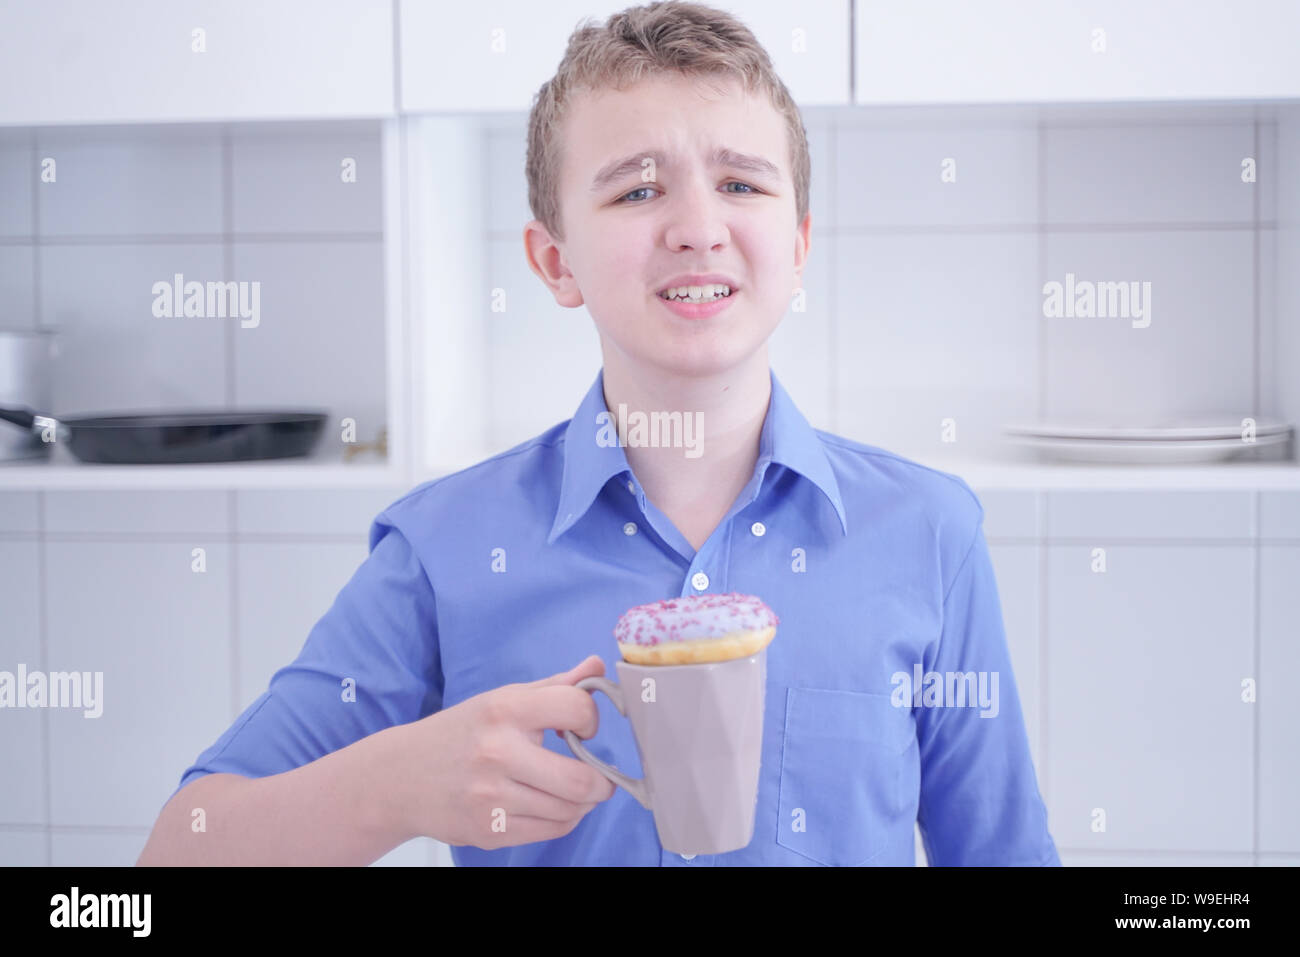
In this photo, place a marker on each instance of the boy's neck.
(729, 409)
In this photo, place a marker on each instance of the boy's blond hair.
(673, 37)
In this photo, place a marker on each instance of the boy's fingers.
(557, 706)
(589, 667)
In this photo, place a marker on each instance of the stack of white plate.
(1187, 439)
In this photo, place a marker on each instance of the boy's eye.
(624, 198)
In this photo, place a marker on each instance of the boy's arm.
(334, 811)
(980, 803)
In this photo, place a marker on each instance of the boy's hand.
(478, 774)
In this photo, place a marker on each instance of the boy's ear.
(546, 259)
(802, 244)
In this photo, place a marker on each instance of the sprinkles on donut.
(695, 629)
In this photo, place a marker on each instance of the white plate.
(1164, 452)
(1178, 428)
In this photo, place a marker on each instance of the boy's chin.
(698, 362)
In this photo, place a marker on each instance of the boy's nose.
(696, 222)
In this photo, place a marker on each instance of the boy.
(665, 158)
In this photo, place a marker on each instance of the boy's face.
(628, 238)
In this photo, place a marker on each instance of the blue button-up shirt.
(518, 567)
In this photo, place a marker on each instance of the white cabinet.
(1030, 51)
(83, 61)
(495, 55)
(80, 61)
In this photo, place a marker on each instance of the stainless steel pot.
(26, 378)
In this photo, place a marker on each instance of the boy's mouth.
(706, 292)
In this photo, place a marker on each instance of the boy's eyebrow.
(722, 156)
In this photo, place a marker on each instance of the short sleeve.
(980, 803)
(371, 662)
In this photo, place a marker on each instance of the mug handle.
(634, 786)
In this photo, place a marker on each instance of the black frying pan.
(183, 437)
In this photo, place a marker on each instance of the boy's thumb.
(589, 666)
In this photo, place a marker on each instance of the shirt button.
(700, 581)
(759, 529)
(629, 528)
(688, 857)
(630, 486)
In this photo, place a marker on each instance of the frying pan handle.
(25, 418)
(18, 415)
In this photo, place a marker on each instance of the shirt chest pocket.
(846, 775)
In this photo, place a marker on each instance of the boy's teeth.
(697, 293)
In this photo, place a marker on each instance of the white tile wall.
(19, 175)
(132, 512)
(1279, 515)
(505, 194)
(1010, 513)
(292, 181)
(1016, 568)
(114, 354)
(98, 848)
(20, 512)
(1181, 513)
(1284, 260)
(911, 351)
(17, 287)
(902, 177)
(1265, 150)
(23, 848)
(303, 513)
(1277, 349)
(22, 731)
(159, 632)
(1072, 858)
(1147, 173)
(1279, 712)
(320, 339)
(1144, 716)
(127, 183)
(1196, 354)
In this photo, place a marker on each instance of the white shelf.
(312, 472)
(986, 474)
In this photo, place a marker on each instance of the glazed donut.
(695, 629)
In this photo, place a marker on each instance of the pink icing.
(692, 617)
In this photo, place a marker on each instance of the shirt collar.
(787, 439)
